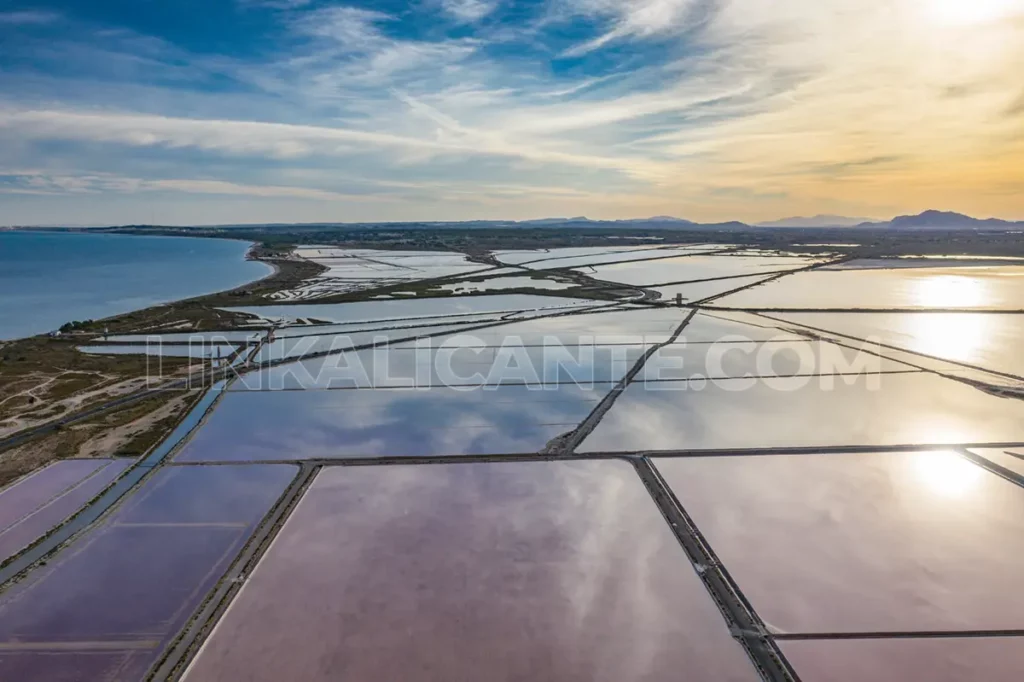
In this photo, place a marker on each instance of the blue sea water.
(47, 279)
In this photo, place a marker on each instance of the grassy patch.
(72, 441)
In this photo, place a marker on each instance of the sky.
(248, 111)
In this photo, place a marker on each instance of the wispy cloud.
(351, 28)
(236, 137)
(629, 106)
(469, 11)
(1016, 108)
(274, 4)
(28, 18)
(342, 50)
(631, 19)
(284, 141)
(41, 182)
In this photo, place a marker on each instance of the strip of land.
(78, 405)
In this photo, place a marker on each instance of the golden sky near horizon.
(387, 110)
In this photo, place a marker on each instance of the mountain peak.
(948, 219)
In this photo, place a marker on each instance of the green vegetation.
(76, 326)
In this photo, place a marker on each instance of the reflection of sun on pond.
(950, 291)
(947, 474)
(951, 336)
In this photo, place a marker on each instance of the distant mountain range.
(555, 221)
(584, 219)
(929, 220)
(949, 220)
(944, 220)
(816, 221)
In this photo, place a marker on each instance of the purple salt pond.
(493, 571)
(36, 490)
(47, 514)
(992, 659)
(127, 587)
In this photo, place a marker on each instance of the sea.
(49, 278)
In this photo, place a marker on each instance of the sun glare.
(947, 473)
(949, 291)
(962, 12)
(948, 335)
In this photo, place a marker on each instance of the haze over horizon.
(259, 111)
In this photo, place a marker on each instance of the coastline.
(53, 299)
(49, 370)
(252, 255)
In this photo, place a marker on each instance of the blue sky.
(223, 111)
